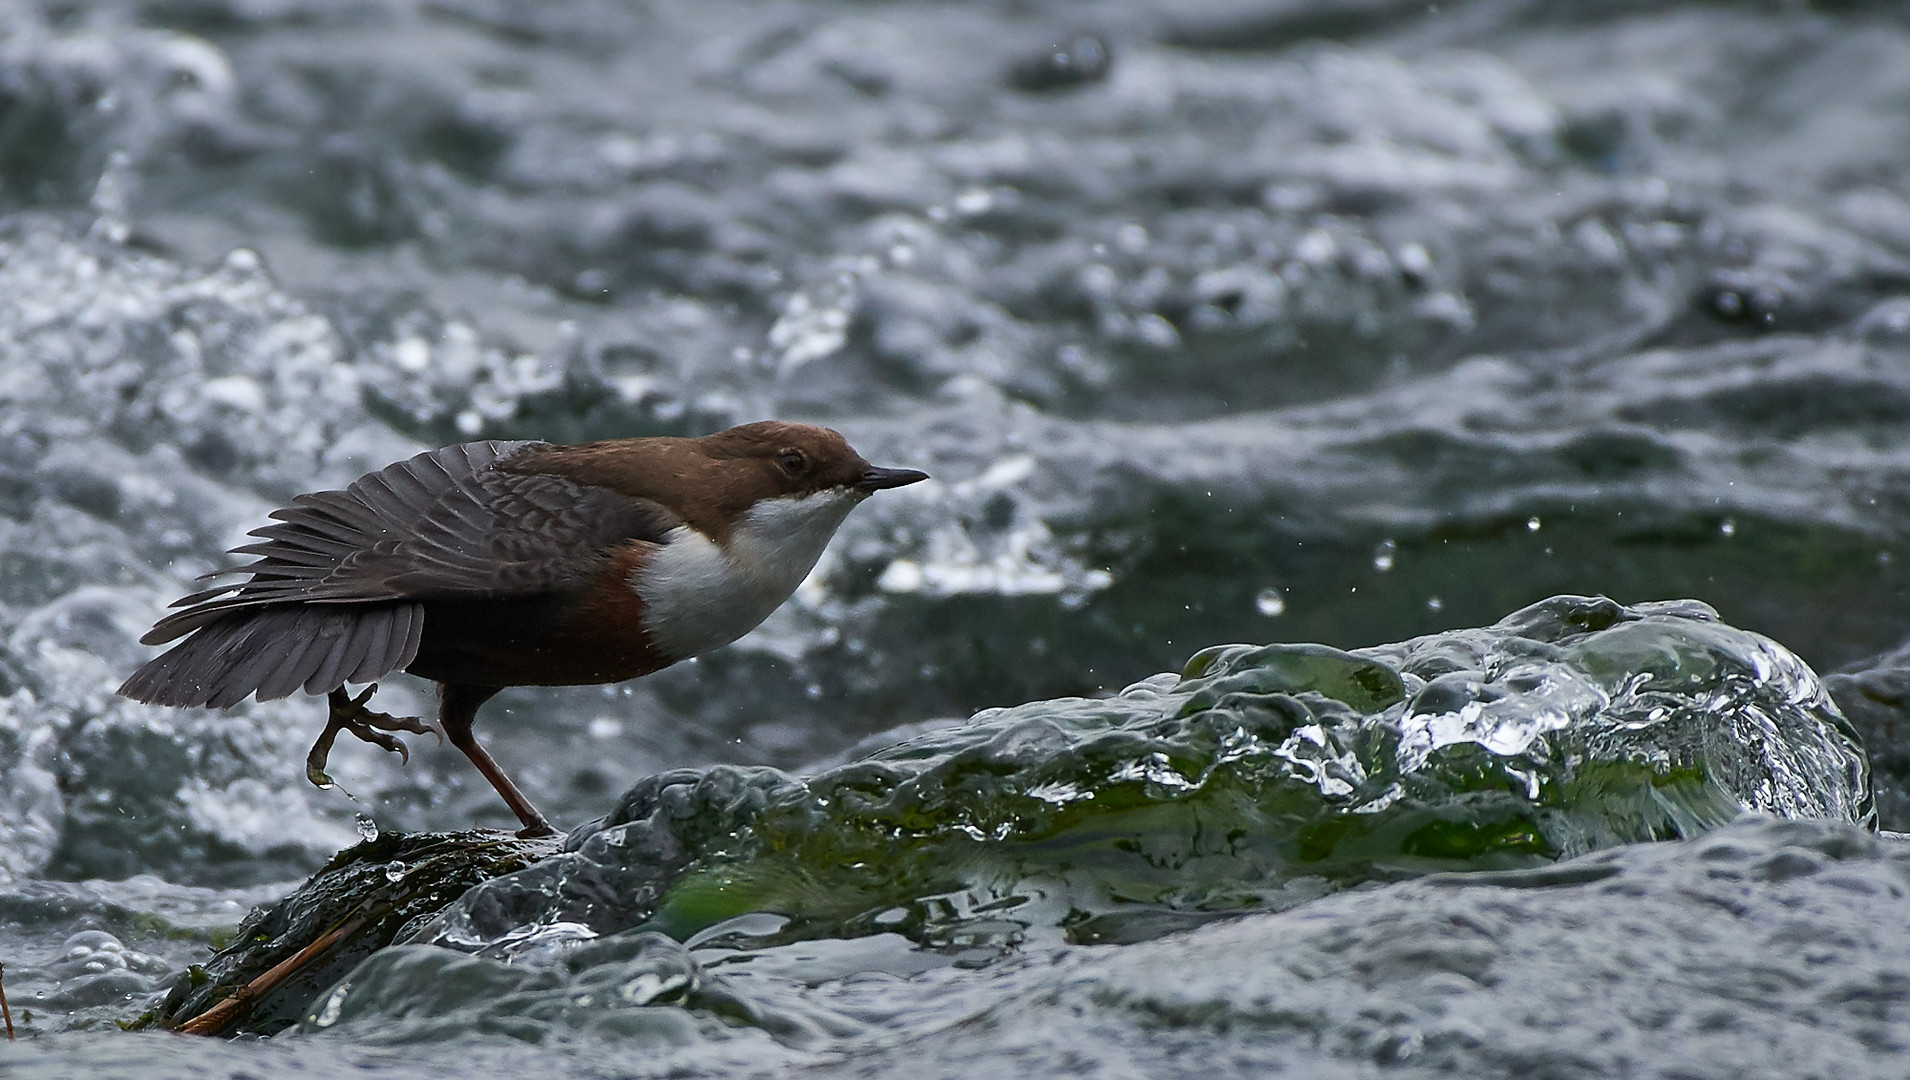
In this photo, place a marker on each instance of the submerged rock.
(1260, 777)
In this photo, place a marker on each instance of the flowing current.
(1345, 329)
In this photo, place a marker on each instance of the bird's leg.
(457, 708)
(348, 713)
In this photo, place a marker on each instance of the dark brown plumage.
(494, 564)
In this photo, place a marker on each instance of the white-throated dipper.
(493, 564)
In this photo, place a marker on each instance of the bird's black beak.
(878, 478)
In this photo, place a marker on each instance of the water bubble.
(243, 261)
(1270, 603)
(814, 327)
(395, 870)
(1383, 556)
(1414, 261)
(412, 354)
(1433, 603)
(1156, 331)
(1532, 524)
(974, 201)
(367, 828)
(334, 1008)
(1084, 58)
(1317, 247)
(1729, 527)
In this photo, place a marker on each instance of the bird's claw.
(351, 713)
(347, 713)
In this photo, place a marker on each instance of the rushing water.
(1341, 322)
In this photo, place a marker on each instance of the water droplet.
(412, 354)
(367, 828)
(974, 201)
(1433, 603)
(1729, 527)
(395, 870)
(1415, 261)
(1383, 556)
(1270, 603)
(1531, 524)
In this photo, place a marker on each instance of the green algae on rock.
(1260, 777)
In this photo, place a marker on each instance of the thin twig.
(4, 1011)
(225, 1013)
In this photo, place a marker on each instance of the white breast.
(698, 596)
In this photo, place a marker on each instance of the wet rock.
(1261, 776)
(284, 955)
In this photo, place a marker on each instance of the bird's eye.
(792, 461)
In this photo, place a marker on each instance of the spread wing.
(336, 592)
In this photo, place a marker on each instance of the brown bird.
(493, 564)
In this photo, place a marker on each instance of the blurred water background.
(1335, 321)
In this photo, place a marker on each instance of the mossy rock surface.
(1258, 778)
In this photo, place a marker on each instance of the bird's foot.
(347, 713)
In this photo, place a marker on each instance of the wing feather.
(375, 634)
(335, 589)
(344, 654)
(407, 646)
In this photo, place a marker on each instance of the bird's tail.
(274, 650)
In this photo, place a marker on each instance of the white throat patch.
(698, 596)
